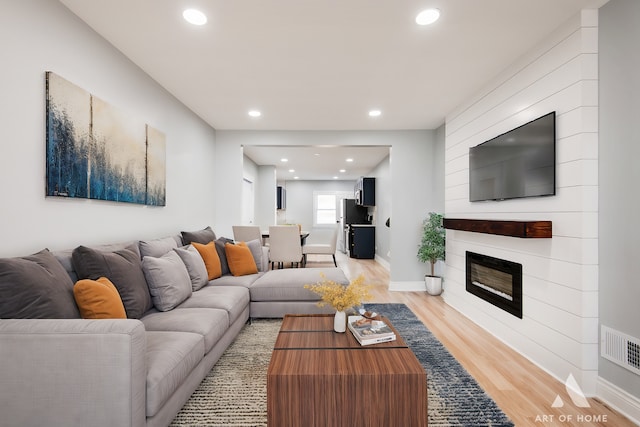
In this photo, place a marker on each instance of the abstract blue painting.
(96, 151)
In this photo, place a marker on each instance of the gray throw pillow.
(168, 280)
(123, 268)
(222, 254)
(157, 247)
(255, 246)
(195, 266)
(201, 236)
(36, 287)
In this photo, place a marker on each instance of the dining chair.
(284, 245)
(325, 245)
(246, 233)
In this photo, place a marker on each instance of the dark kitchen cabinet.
(281, 194)
(365, 191)
(362, 242)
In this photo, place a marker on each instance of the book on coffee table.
(370, 331)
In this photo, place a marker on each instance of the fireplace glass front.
(496, 281)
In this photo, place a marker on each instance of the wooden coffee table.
(318, 377)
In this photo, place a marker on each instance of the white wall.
(249, 174)
(412, 163)
(42, 35)
(382, 173)
(559, 329)
(619, 173)
(266, 197)
(264, 185)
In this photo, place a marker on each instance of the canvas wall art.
(97, 151)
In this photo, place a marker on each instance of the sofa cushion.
(224, 263)
(195, 266)
(240, 259)
(157, 247)
(98, 299)
(288, 284)
(201, 236)
(232, 299)
(168, 280)
(123, 268)
(171, 356)
(65, 256)
(255, 246)
(211, 323)
(211, 259)
(36, 286)
(242, 281)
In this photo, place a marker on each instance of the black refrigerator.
(351, 214)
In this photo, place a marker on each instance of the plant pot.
(340, 322)
(433, 284)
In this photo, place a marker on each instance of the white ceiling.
(323, 64)
(318, 162)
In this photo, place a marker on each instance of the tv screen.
(518, 163)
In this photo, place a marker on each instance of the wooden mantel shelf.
(523, 229)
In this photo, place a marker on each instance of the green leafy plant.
(432, 246)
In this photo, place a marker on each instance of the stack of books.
(369, 331)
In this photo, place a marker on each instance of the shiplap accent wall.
(559, 329)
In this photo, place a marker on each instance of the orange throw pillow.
(211, 259)
(240, 259)
(98, 299)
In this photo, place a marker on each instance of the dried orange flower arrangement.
(339, 296)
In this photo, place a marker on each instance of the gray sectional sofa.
(61, 370)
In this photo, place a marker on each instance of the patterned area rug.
(455, 398)
(234, 392)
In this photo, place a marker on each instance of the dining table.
(303, 236)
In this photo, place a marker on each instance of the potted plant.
(432, 249)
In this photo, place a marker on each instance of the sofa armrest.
(72, 372)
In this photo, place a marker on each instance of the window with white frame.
(325, 209)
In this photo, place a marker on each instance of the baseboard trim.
(408, 286)
(383, 262)
(620, 400)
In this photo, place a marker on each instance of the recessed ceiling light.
(374, 113)
(194, 17)
(296, 177)
(343, 170)
(292, 170)
(335, 177)
(255, 113)
(283, 160)
(428, 16)
(349, 160)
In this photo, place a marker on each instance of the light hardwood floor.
(522, 390)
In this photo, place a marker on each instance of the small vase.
(340, 321)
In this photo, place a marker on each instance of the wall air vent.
(620, 348)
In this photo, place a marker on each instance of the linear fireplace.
(496, 281)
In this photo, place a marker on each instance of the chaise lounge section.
(73, 371)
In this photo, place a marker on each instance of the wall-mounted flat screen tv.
(518, 163)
